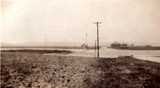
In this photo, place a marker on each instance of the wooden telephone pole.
(97, 47)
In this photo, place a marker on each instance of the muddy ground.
(36, 70)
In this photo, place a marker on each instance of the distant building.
(115, 45)
(119, 45)
(123, 46)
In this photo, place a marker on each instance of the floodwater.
(151, 55)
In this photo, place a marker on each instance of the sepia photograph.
(79, 43)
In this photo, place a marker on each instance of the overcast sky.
(133, 21)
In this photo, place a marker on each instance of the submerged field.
(38, 70)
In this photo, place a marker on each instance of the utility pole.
(97, 47)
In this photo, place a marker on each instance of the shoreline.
(38, 51)
(83, 53)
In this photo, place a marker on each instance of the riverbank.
(34, 70)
